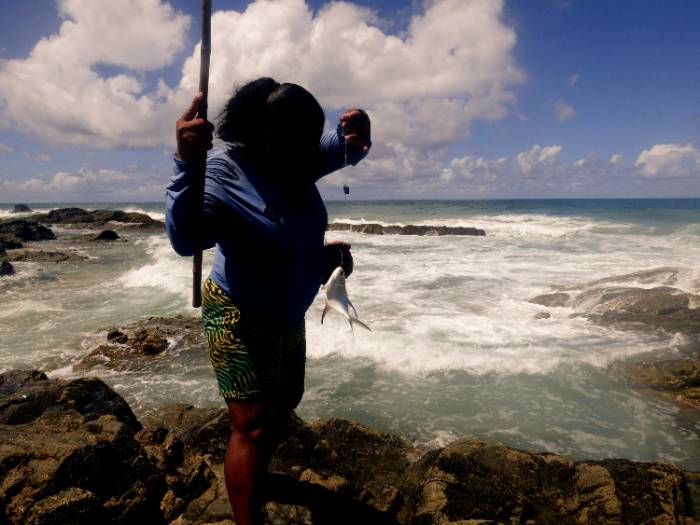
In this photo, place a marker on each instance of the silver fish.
(337, 299)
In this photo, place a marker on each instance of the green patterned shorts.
(252, 360)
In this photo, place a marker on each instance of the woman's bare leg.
(256, 430)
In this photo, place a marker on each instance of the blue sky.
(470, 98)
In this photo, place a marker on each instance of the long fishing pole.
(201, 167)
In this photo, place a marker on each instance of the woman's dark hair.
(266, 114)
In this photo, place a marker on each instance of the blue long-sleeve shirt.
(269, 242)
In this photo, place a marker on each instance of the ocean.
(455, 349)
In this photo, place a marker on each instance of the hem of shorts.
(248, 396)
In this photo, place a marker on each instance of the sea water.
(455, 349)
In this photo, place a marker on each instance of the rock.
(6, 269)
(378, 229)
(7, 243)
(90, 219)
(46, 256)
(205, 430)
(543, 315)
(21, 208)
(475, 480)
(24, 230)
(3, 253)
(130, 347)
(73, 452)
(107, 235)
(551, 299)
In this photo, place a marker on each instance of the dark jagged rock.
(475, 480)
(96, 218)
(3, 253)
(6, 269)
(107, 235)
(21, 208)
(24, 230)
(7, 243)
(663, 311)
(130, 347)
(551, 299)
(67, 456)
(45, 256)
(72, 452)
(378, 229)
(205, 430)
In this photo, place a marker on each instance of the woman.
(266, 218)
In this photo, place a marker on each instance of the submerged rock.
(21, 208)
(46, 256)
(107, 235)
(73, 452)
(378, 229)
(132, 346)
(6, 269)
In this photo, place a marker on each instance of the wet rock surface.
(6, 269)
(79, 217)
(45, 256)
(107, 235)
(647, 301)
(73, 452)
(379, 229)
(132, 346)
(17, 230)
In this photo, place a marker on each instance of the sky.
(469, 99)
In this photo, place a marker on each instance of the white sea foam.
(157, 215)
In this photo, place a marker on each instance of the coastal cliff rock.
(73, 452)
(79, 217)
(132, 346)
(411, 229)
(21, 208)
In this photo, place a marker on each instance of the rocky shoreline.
(628, 302)
(410, 229)
(73, 452)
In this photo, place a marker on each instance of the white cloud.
(38, 157)
(538, 160)
(453, 65)
(563, 111)
(573, 79)
(57, 94)
(616, 159)
(669, 160)
(5, 150)
(474, 169)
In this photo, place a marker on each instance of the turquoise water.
(454, 349)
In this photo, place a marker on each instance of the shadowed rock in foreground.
(73, 452)
(378, 229)
(339, 471)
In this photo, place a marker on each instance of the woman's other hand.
(357, 127)
(337, 253)
(194, 135)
